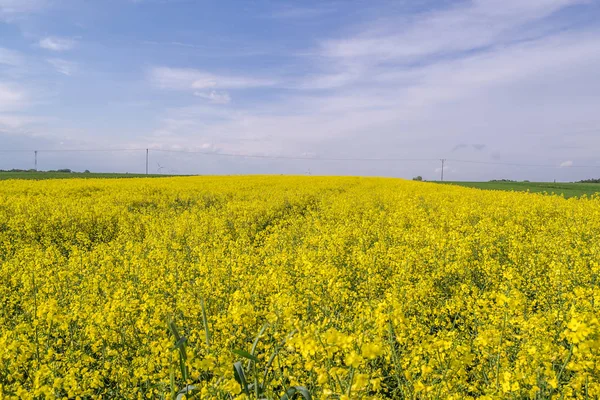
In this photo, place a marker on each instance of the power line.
(587, 130)
(370, 159)
(67, 150)
(206, 153)
(292, 157)
(522, 165)
(303, 158)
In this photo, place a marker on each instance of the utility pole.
(146, 161)
(443, 160)
(35, 152)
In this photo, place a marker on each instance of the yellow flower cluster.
(344, 288)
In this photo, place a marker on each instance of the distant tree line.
(589, 181)
(63, 170)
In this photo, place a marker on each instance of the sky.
(501, 89)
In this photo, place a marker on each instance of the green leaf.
(245, 354)
(252, 386)
(291, 392)
(171, 377)
(188, 390)
(255, 342)
(240, 377)
(179, 344)
(174, 330)
(304, 392)
(262, 330)
(182, 367)
(271, 359)
(205, 322)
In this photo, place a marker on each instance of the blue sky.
(495, 81)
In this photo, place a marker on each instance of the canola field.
(296, 287)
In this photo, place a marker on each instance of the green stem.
(37, 342)
(562, 368)
(349, 391)
(500, 352)
(395, 358)
(205, 322)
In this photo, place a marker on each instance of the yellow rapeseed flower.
(359, 287)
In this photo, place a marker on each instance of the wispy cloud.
(215, 97)
(64, 67)
(220, 48)
(10, 57)
(55, 43)
(566, 164)
(194, 79)
(287, 11)
(11, 8)
(13, 122)
(404, 88)
(415, 109)
(439, 169)
(11, 97)
(16, 119)
(326, 80)
(461, 27)
(399, 48)
(395, 80)
(461, 146)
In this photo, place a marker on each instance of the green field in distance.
(38, 175)
(566, 189)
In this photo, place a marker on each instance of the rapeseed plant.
(296, 287)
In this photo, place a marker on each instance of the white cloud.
(11, 97)
(12, 8)
(566, 164)
(215, 97)
(291, 12)
(10, 57)
(391, 47)
(493, 97)
(63, 66)
(190, 79)
(16, 121)
(402, 51)
(461, 27)
(55, 43)
(406, 85)
(328, 80)
(447, 80)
